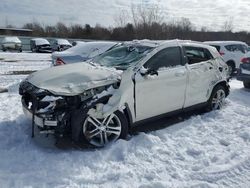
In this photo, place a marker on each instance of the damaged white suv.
(98, 101)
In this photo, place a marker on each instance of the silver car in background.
(81, 52)
(11, 43)
(60, 45)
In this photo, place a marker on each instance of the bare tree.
(146, 14)
(228, 25)
(122, 18)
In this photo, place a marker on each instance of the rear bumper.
(243, 76)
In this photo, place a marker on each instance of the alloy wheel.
(100, 132)
(218, 99)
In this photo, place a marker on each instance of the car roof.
(159, 43)
(11, 39)
(224, 42)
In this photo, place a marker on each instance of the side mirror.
(151, 72)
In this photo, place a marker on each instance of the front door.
(165, 92)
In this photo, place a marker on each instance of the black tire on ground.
(219, 89)
(246, 84)
(4, 49)
(20, 50)
(78, 129)
(231, 67)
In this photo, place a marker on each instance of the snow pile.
(210, 150)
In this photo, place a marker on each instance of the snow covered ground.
(20, 62)
(208, 150)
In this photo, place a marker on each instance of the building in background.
(15, 31)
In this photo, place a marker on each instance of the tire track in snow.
(235, 176)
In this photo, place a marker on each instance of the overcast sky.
(209, 13)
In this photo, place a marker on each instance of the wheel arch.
(224, 84)
(232, 62)
(128, 115)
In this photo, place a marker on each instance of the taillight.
(59, 61)
(222, 53)
(245, 60)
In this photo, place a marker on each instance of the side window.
(169, 57)
(236, 48)
(197, 55)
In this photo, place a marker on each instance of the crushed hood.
(74, 78)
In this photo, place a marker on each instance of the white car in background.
(11, 43)
(231, 51)
(97, 101)
(81, 52)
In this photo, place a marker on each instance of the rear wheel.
(217, 98)
(101, 132)
(246, 84)
(231, 68)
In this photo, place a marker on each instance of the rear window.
(217, 47)
(236, 47)
(197, 54)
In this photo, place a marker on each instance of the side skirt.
(194, 107)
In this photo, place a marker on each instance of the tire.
(231, 68)
(217, 98)
(4, 49)
(246, 84)
(97, 133)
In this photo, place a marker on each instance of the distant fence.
(26, 40)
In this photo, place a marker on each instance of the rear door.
(201, 74)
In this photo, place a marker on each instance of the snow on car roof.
(40, 41)
(11, 39)
(224, 42)
(63, 41)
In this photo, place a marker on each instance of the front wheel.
(101, 132)
(217, 98)
(246, 84)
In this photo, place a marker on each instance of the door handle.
(194, 68)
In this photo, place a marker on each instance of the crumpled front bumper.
(40, 121)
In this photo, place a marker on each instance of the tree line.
(147, 23)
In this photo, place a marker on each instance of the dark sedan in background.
(81, 52)
(244, 71)
(40, 45)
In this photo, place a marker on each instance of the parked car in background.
(60, 45)
(74, 43)
(244, 71)
(231, 51)
(40, 45)
(98, 101)
(11, 43)
(81, 52)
